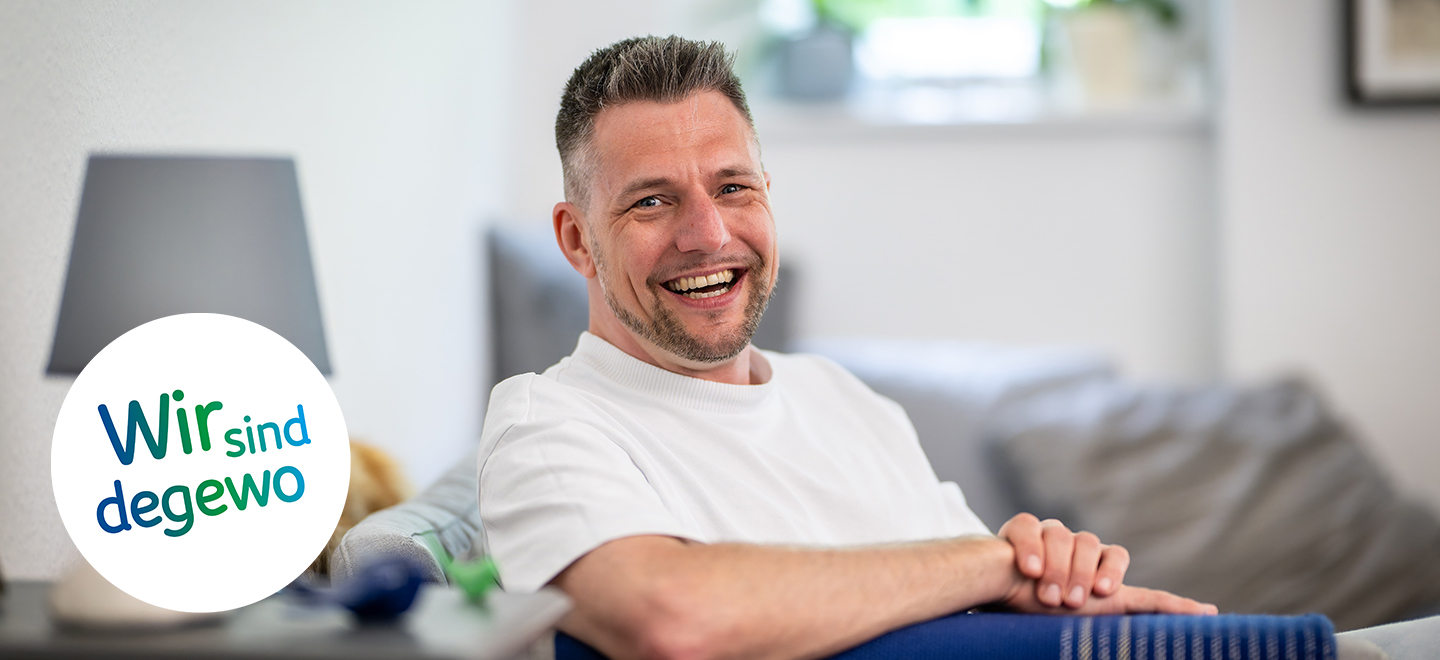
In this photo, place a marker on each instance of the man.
(694, 496)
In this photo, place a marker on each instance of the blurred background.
(1181, 184)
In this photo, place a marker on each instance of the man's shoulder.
(526, 398)
(822, 378)
(811, 369)
(521, 396)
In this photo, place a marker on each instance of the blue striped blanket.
(987, 636)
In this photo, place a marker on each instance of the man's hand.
(1062, 569)
(1066, 567)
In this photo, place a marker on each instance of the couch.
(1256, 498)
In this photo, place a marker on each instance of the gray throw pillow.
(1255, 499)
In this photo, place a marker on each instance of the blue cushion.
(1030, 636)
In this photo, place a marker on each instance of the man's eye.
(730, 188)
(647, 202)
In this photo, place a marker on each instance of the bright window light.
(787, 17)
(952, 47)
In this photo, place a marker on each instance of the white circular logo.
(200, 462)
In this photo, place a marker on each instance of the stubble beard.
(667, 332)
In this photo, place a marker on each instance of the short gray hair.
(659, 69)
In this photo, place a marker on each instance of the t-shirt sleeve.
(555, 486)
(960, 520)
(965, 520)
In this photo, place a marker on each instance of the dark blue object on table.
(379, 592)
(1032, 637)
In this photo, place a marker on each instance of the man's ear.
(570, 235)
(767, 181)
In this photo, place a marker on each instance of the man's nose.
(702, 228)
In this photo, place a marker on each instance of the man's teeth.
(685, 284)
(695, 295)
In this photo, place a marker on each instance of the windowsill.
(941, 114)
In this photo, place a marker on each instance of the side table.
(441, 625)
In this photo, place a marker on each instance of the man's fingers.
(1114, 561)
(1059, 548)
(1067, 567)
(1023, 532)
(1138, 600)
(1082, 569)
(1126, 600)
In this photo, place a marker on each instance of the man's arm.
(660, 597)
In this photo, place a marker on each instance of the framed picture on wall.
(1393, 51)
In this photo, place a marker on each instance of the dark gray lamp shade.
(160, 235)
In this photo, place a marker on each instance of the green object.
(1164, 11)
(476, 577)
(856, 15)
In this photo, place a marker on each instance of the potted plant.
(1103, 46)
(818, 64)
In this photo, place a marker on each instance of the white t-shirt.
(603, 446)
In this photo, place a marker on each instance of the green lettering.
(208, 491)
(239, 446)
(247, 486)
(184, 421)
(188, 517)
(202, 421)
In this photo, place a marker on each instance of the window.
(960, 61)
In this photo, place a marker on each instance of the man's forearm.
(660, 597)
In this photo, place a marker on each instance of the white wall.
(1084, 233)
(390, 111)
(559, 35)
(1331, 232)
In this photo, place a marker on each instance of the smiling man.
(668, 216)
(697, 497)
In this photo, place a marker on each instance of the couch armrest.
(449, 508)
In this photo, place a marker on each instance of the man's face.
(680, 226)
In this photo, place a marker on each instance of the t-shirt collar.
(648, 379)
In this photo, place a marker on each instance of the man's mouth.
(703, 286)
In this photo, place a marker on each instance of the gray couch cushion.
(538, 303)
(1255, 499)
(951, 391)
